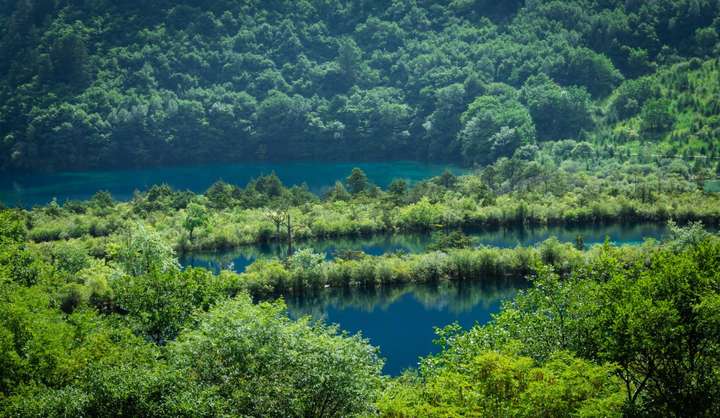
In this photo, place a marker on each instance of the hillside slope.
(98, 84)
(675, 111)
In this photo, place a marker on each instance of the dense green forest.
(564, 113)
(98, 84)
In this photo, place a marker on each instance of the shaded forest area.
(108, 84)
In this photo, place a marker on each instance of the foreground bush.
(240, 359)
(494, 384)
(654, 316)
(254, 361)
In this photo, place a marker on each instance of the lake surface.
(27, 190)
(401, 319)
(240, 258)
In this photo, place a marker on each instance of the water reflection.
(401, 319)
(238, 259)
(455, 297)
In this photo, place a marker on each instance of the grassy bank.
(308, 272)
(234, 227)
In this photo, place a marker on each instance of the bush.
(499, 384)
(255, 361)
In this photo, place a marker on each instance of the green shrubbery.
(305, 271)
(509, 193)
(505, 384)
(606, 332)
(674, 111)
(87, 337)
(252, 360)
(626, 333)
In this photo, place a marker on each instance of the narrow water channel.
(620, 234)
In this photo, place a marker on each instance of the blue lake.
(26, 190)
(401, 320)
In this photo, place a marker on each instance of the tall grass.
(492, 265)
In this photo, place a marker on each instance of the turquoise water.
(240, 258)
(17, 189)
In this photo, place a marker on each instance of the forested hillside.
(677, 108)
(97, 84)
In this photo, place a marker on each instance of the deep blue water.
(401, 320)
(17, 189)
(240, 258)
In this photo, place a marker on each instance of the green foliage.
(35, 342)
(196, 217)
(68, 58)
(398, 188)
(558, 183)
(159, 304)
(69, 257)
(84, 339)
(670, 359)
(681, 238)
(494, 127)
(499, 384)
(255, 361)
(676, 108)
(102, 200)
(141, 250)
(631, 96)
(305, 268)
(20, 265)
(422, 215)
(308, 272)
(307, 260)
(557, 112)
(608, 331)
(455, 239)
(357, 182)
(98, 84)
(338, 192)
(645, 313)
(581, 112)
(12, 226)
(586, 67)
(656, 117)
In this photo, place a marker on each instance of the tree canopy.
(98, 84)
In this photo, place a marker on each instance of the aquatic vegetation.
(470, 201)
